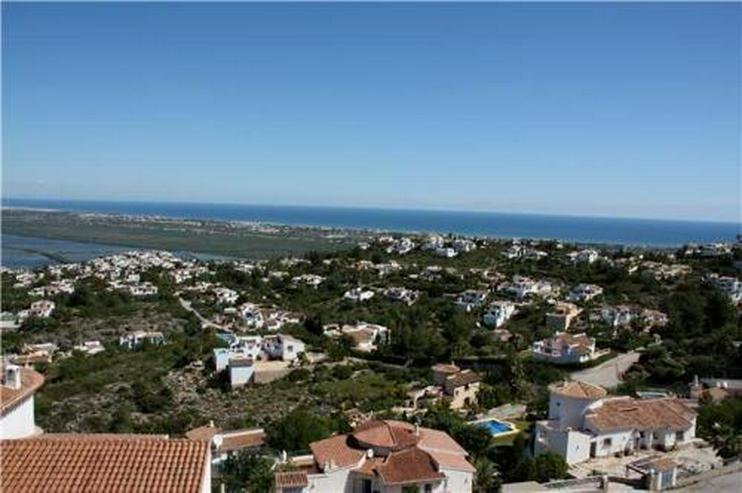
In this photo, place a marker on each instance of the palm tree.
(486, 478)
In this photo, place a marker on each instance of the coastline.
(350, 221)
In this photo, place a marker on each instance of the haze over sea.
(646, 232)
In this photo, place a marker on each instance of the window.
(679, 436)
(428, 488)
(607, 442)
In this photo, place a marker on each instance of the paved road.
(731, 483)
(205, 322)
(608, 374)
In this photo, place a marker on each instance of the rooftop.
(128, 463)
(10, 397)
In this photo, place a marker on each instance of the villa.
(384, 457)
(90, 347)
(143, 289)
(17, 391)
(358, 295)
(41, 309)
(498, 313)
(461, 386)
(583, 422)
(584, 292)
(588, 256)
(471, 299)
(565, 348)
(134, 339)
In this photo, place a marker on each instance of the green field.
(210, 237)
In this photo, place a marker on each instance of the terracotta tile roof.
(335, 450)
(291, 479)
(203, 433)
(411, 465)
(436, 440)
(91, 463)
(451, 461)
(462, 378)
(628, 413)
(30, 382)
(579, 389)
(238, 440)
(444, 368)
(394, 435)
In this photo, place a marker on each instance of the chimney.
(12, 376)
(417, 429)
(370, 453)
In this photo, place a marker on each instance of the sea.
(598, 230)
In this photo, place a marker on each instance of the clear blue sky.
(625, 109)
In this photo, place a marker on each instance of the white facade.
(19, 421)
(498, 313)
(583, 425)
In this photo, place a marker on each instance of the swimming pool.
(496, 427)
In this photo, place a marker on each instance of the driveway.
(608, 374)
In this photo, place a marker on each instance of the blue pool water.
(495, 427)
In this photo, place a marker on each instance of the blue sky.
(624, 110)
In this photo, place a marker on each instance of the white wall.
(459, 481)
(19, 421)
(620, 441)
(206, 484)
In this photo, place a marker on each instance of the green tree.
(297, 429)
(247, 471)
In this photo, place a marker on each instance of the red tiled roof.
(451, 461)
(237, 440)
(203, 433)
(394, 435)
(335, 450)
(291, 479)
(462, 378)
(432, 440)
(579, 389)
(639, 414)
(30, 382)
(91, 463)
(411, 465)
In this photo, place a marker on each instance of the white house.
(90, 347)
(241, 370)
(143, 289)
(584, 423)
(384, 457)
(731, 286)
(283, 347)
(42, 308)
(498, 313)
(358, 295)
(471, 299)
(522, 287)
(584, 292)
(252, 315)
(17, 401)
(225, 296)
(587, 255)
(403, 295)
(565, 348)
(446, 252)
(134, 339)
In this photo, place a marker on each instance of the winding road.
(608, 374)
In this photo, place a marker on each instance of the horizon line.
(737, 223)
